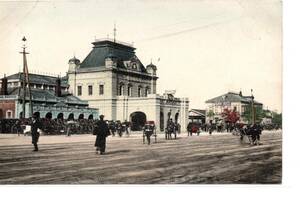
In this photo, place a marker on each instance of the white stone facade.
(118, 93)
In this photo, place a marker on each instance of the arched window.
(9, 114)
(147, 91)
(121, 89)
(129, 90)
(139, 91)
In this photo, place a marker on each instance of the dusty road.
(204, 159)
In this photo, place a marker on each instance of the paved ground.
(205, 159)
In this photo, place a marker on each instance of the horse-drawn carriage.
(149, 130)
(252, 132)
(193, 128)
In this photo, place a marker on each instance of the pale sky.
(206, 47)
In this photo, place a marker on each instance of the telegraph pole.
(252, 107)
(26, 82)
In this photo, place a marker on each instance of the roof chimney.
(4, 86)
(58, 88)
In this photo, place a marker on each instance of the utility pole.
(115, 32)
(252, 107)
(26, 82)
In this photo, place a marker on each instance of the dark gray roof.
(106, 48)
(199, 111)
(48, 96)
(39, 79)
(232, 97)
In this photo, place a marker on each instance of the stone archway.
(21, 114)
(71, 116)
(176, 117)
(60, 116)
(48, 115)
(81, 116)
(162, 121)
(1, 113)
(37, 114)
(138, 120)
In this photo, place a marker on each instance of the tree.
(277, 119)
(259, 113)
(210, 114)
(230, 116)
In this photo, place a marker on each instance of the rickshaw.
(149, 130)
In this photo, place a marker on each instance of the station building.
(113, 80)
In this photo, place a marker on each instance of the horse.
(252, 133)
(169, 130)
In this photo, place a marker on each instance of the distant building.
(197, 115)
(50, 98)
(231, 101)
(113, 79)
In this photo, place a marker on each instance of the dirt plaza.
(219, 158)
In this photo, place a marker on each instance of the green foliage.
(210, 114)
(277, 119)
(259, 114)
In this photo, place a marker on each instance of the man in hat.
(36, 126)
(102, 131)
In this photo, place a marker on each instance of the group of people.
(119, 127)
(103, 128)
(51, 126)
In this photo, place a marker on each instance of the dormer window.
(134, 66)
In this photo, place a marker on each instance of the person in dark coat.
(35, 126)
(102, 131)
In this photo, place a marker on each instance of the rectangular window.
(101, 89)
(90, 89)
(79, 90)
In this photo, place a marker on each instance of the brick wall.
(7, 106)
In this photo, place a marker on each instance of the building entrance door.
(138, 120)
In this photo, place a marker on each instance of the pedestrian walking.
(102, 131)
(36, 126)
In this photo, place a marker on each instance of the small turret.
(151, 68)
(74, 63)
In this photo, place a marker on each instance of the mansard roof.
(107, 48)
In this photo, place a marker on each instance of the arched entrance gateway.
(37, 114)
(60, 116)
(138, 120)
(49, 115)
(162, 120)
(81, 116)
(71, 116)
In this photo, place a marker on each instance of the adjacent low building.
(50, 98)
(231, 101)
